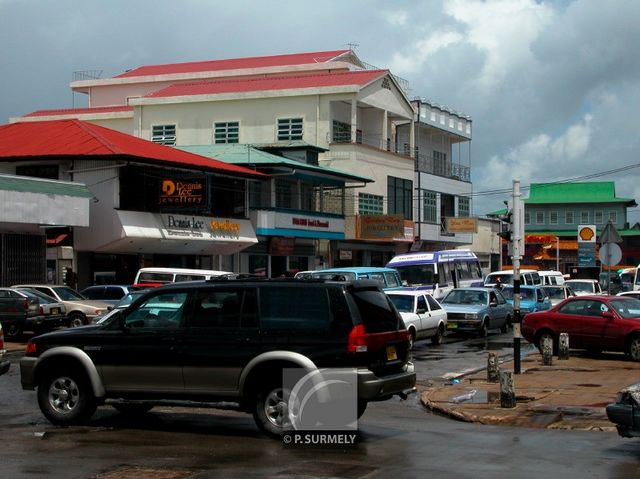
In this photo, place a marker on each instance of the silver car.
(477, 310)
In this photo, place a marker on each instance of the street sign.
(610, 234)
(610, 254)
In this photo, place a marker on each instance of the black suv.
(222, 341)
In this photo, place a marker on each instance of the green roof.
(245, 155)
(564, 193)
(26, 184)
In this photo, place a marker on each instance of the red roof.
(81, 111)
(360, 77)
(234, 64)
(79, 138)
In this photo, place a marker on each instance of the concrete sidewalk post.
(547, 351)
(507, 392)
(563, 346)
(493, 370)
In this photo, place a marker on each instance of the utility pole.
(517, 250)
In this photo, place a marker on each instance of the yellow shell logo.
(586, 234)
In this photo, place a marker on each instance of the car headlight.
(470, 316)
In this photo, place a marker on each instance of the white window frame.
(290, 129)
(598, 214)
(464, 206)
(164, 134)
(584, 217)
(527, 218)
(553, 217)
(226, 128)
(569, 217)
(430, 206)
(539, 217)
(613, 217)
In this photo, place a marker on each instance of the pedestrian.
(71, 278)
(498, 282)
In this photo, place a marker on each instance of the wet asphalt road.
(398, 439)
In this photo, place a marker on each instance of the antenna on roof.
(352, 45)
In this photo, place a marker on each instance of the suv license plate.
(452, 325)
(392, 354)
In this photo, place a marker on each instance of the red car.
(595, 323)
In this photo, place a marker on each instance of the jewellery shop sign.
(199, 227)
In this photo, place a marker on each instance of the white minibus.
(157, 276)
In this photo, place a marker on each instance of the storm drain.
(143, 473)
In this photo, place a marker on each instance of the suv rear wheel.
(65, 397)
(271, 410)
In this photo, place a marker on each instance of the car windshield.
(402, 302)
(555, 293)
(463, 296)
(492, 278)
(627, 307)
(583, 287)
(68, 294)
(416, 275)
(335, 276)
(42, 298)
(525, 293)
(128, 299)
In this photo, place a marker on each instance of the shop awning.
(135, 232)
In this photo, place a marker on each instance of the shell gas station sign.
(587, 245)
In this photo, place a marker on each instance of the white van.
(158, 276)
(551, 278)
(528, 277)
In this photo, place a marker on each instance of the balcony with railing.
(368, 139)
(441, 167)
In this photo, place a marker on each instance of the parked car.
(388, 278)
(527, 276)
(4, 363)
(80, 311)
(423, 316)
(584, 287)
(630, 294)
(13, 312)
(595, 323)
(48, 313)
(625, 412)
(477, 310)
(558, 294)
(532, 298)
(108, 293)
(223, 341)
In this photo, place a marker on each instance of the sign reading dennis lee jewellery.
(183, 191)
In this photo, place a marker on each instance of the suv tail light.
(25, 305)
(41, 310)
(359, 341)
(31, 349)
(1, 338)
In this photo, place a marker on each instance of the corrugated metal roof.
(78, 138)
(585, 192)
(235, 63)
(81, 111)
(288, 82)
(246, 155)
(26, 184)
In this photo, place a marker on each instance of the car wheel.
(412, 338)
(634, 348)
(541, 339)
(437, 338)
(65, 397)
(484, 330)
(13, 331)
(271, 410)
(77, 319)
(131, 409)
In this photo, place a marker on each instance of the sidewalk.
(569, 394)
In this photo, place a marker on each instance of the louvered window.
(164, 134)
(227, 132)
(290, 129)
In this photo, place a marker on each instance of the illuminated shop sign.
(187, 191)
(200, 226)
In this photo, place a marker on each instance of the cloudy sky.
(553, 87)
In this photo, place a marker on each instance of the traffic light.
(506, 225)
